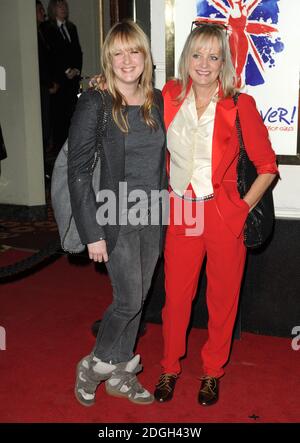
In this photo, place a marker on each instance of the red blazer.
(225, 149)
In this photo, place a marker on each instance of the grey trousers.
(130, 267)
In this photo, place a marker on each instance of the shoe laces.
(209, 383)
(164, 381)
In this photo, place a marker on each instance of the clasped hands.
(54, 88)
(71, 73)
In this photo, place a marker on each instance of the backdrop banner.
(264, 38)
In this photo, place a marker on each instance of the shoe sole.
(121, 395)
(211, 403)
(162, 400)
(82, 402)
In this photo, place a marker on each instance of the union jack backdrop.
(253, 34)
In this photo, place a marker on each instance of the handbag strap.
(102, 122)
(238, 123)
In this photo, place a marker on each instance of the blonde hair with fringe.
(129, 33)
(202, 35)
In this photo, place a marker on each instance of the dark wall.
(270, 295)
(121, 9)
(125, 9)
(143, 16)
(271, 299)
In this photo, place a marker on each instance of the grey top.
(143, 147)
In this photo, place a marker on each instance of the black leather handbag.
(260, 221)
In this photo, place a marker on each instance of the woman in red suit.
(200, 117)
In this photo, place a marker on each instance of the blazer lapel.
(171, 105)
(223, 129)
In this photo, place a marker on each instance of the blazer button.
(217, 186)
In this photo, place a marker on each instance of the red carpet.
(47, 318)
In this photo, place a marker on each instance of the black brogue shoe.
(209, 391)
(165, 387)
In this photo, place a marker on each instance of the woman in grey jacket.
(126, 235)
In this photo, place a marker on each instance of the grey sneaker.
(124, 383)
(89, 374)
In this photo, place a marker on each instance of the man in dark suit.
(48, 84)
(63, 40)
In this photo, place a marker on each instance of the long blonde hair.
(130, 33)
(202, 34)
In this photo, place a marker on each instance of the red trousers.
(184, 256)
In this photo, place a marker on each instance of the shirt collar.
(59, 23)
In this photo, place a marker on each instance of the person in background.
(48, 83)
(62, 37)
(134, 154)
(202, 141)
